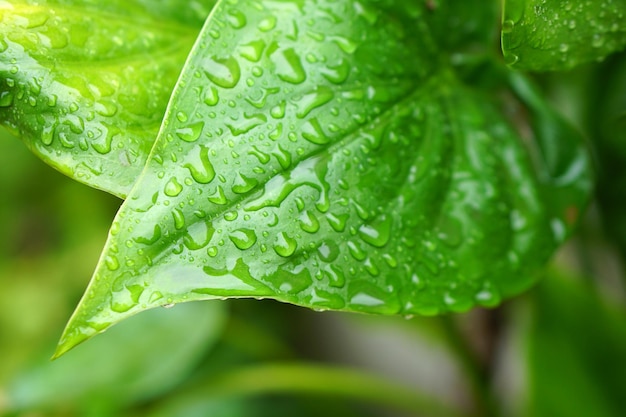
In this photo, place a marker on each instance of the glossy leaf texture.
(320, 153)
(85, 84)
(546, 35)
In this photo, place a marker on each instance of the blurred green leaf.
(85, 83)
(546, 35)
(348, 169)
(609, 125)
(577, 346)
(137, 360)
(463, 26)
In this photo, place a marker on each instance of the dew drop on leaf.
(224, 72)
(243, 238)
(173, 187)
(285, 246)
(289, 67)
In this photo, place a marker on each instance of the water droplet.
(197, 236)
(278, 111)
(267, 24)
(337, 74)
(364, 299)
(508, 26)
(211, 96)
(337, 222)
(252, 51)
(111, 263)
(200, 166)
(376, 233)
(488, 296)
(218, 197)
(328, 251)
(261, 156)
(156, 235)
(289, 67)
(246, 124)
(179, 219)
(243, 184)
(371, 267)
(313, 100)
(236, 18)
(510, 59)
(243, 238)
(6, 98)
(190, 133)
(224, 72)
(173, 187)
(356, 251)
(285, 246)
(345, 44)
(212, 251)
(312, 131)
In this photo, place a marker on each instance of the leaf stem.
(477, 374)
(319, 379)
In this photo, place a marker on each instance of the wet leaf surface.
(547, 35)
(319, 153)
(85, 85)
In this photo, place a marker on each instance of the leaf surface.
(548, 35)
(85, 83)
(319, 153)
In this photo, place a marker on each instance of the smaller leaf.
(85, 85)
(552, 35)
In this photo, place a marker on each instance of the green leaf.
(85, 83)
(319, 153)
(609, 126)
(572, 372)
(463, 26)
(140, 359)
(546, 35)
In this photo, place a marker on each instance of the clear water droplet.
(173, 187)
(179, 219)
(224, 72)
(253, 51)
(285, 246)
(243, 238)
(289, 66)
(200, 166)
(190, 133)
(376, 233)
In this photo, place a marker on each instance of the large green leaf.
(320, 153)
(85, 83)
(545, 35)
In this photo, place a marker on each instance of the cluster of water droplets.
(294, 165)
(564, 34)
(84, 92)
